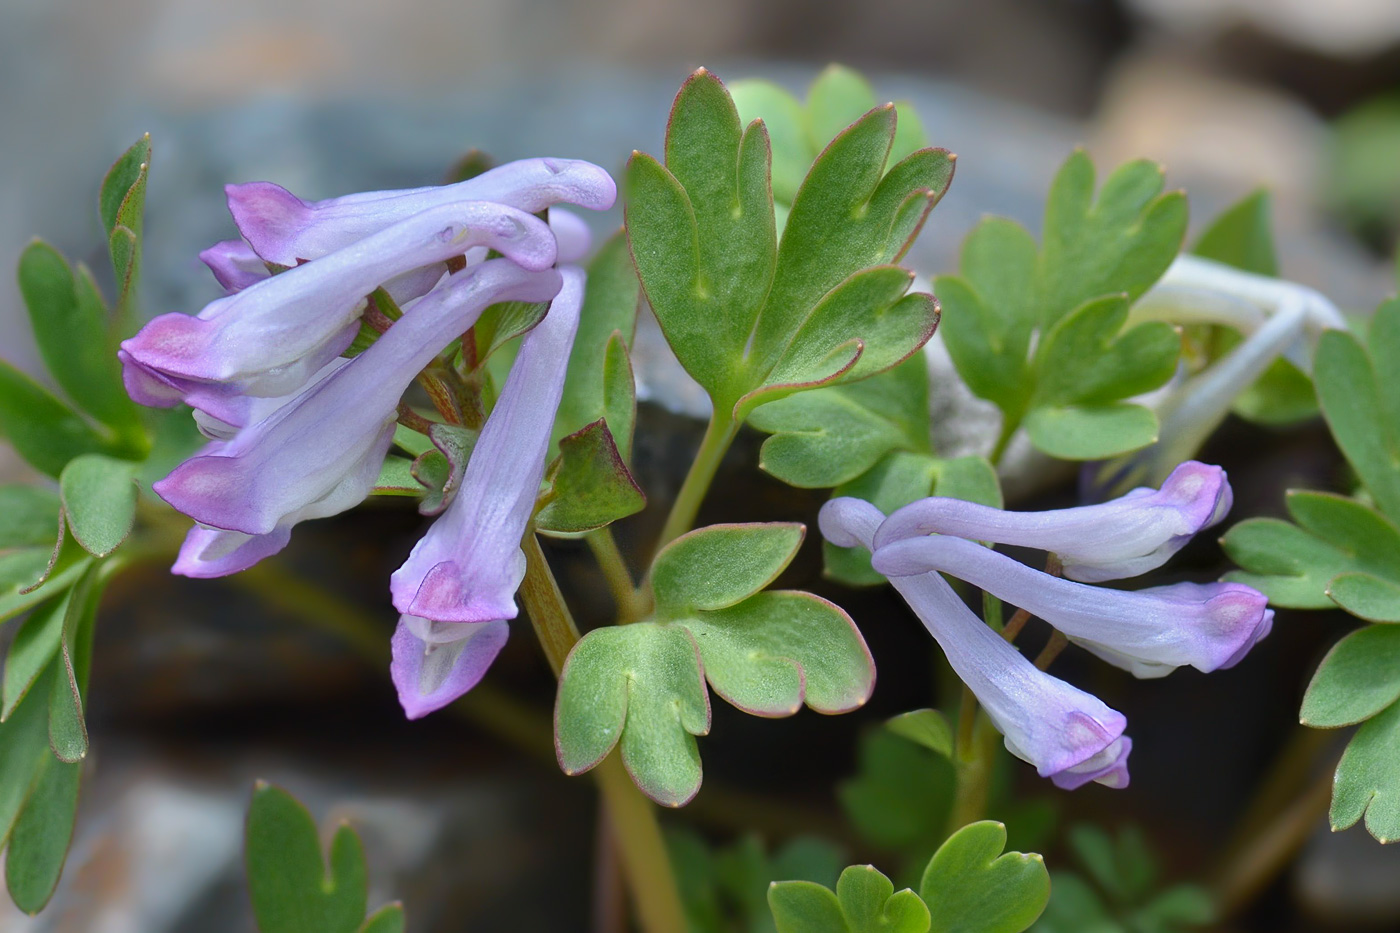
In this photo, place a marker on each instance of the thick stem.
(638, 835)
(972, 757)
(619, 579)
(718, 436)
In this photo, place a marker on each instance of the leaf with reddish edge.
(590, 485)
(720, 565)
(777, 650)
(639, 686)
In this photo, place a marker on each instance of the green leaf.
(35, 646)
(99, 501)
(24, 747)
(31, 516)
(71, 328)
(122, 205)
(837, 98)
(68, 736)
(902, 794)
(1366, 596)
(1121, 242)
(43, 429)
(717, 566)
(440, 470)
(849, 215)
(1123, 867)
(1242, 236)
(971, 886)
(774, 651)
(870, 903)
(1357, 679)
(590, 485)
(1361, 406)
(291, 889)
(619, 395)
(20, 569)
(828, 437)
(926, 727)
(1075, 907)
(607, 324)
(989, 313)
(396, 478)
(501, 323)
(1085, 360)
(786, 121)
(1294, 565)
(805, 907)
(1091, 433)
(641, 684)
(39, 841)
(1367, 782)
(702, 233)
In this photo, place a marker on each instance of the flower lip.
(283, 228)
(1123, 537)
(1205, 625)
(430, 673)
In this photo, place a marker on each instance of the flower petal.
(431, 674)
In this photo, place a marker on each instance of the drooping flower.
(434, 663)
(1149, 632)
(469, 564)
(1069, 736)
(1124, 537)
(269, 338)
(284, 229)
(234, 264)
(320, 452)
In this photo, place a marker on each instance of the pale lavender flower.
(1068, 735)
(283, 228)
(272, 336)
(234, 264)
(320, 452)
(1149, 632)
(1121, 538)
(469, 564)
(434, 663)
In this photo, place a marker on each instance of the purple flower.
(1148, 632)
(1070, 736)
(283, 228)
(469, 564)
(234, 264)
(269, 338)
(320, 452)
(436, 662)
(1125, 537)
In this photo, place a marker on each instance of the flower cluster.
(1070, 736)
(299, 430)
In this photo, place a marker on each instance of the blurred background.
(199, 688)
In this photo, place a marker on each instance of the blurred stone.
(1351, 28)
(1349, 877)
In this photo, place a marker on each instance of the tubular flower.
(319, 453)
(1068, 735)
(1125, 537)
(284, 229)
(1148, 632)
(469, 564)
(269, 338)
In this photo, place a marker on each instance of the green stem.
(640, 844)
(972, 758)
(619, 579)
(718, 436)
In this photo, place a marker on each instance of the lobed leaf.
(1367, 783)
(777, 650)
(640, 686)
(1357, 679)
(970, 886)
